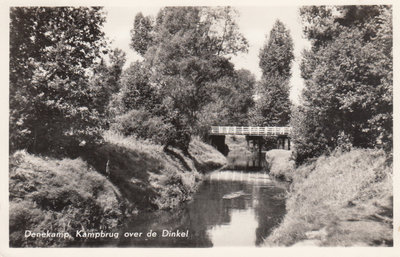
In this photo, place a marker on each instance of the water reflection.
(231, 208)
(240, 230)
(252, 162)
(244, 218)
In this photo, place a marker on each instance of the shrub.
(59, 196)
(279, 164)
(348, 73)
(142, 124)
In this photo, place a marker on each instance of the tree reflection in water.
(244, 220)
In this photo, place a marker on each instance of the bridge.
(255, 134)
(252, 131)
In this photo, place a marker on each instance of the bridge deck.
(254, 131)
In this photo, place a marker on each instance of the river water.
(234, 207)
(230, 208)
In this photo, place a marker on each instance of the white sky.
(254, 22)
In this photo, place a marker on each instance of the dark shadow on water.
(211, 218)
(223, 212)
(253, 162)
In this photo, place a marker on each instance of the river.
(231, 208)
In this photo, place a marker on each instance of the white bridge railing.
(259, 131)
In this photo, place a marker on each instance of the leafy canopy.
(186, 50)
(347, 100)
(273, 105)
(52, 52)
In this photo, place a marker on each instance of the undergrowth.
(279, 164)
(97, 191)
(59, 196)
(341, 200)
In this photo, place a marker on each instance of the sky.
(255, 23)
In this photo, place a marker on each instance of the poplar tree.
(273, 105)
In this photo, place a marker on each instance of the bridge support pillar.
(287, 143)
(283, 143)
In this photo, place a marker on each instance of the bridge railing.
(264, 131)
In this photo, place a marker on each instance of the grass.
(120, 178)
(341, 200)
(151, 178)
(206, 157)
(279, 164)
(60, 196)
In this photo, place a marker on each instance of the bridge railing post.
(260, 131)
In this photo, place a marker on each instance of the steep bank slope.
(96, 192)
(149, 177)
(58, 196)
(341, 200)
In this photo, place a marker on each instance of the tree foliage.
(135, 91)
(105, 82)
(52, 51)
(136, 109)
(348, 80)
(141, 34)
(186, 50)
(232, 100)
(277, 54)
(273, 105)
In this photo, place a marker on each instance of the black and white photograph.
(200, 126)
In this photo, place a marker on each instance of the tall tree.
(142, 33)
(52, 52)
(348, 76)
(273, 105)
(232, 98)
(105, 81)
(135, 91)
(187, 51)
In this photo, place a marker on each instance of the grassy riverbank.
(279, 164)
(97, 191)
(59, 196)
(341, 200)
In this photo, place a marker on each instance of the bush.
(308, 137)
(348, 72)
(59, 196)
(279, 164)
(142, 124)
